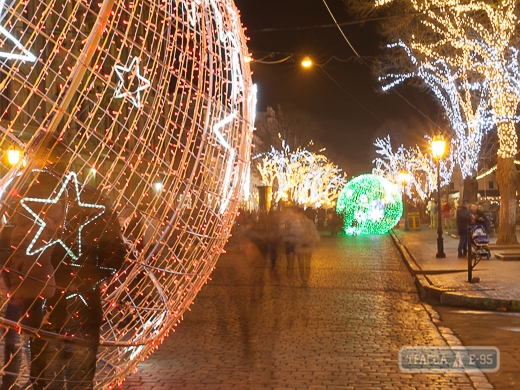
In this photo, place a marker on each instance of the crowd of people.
(455, 216)
(288, 232)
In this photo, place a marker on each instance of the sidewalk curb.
(429, 292)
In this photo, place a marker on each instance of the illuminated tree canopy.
(465, 52)
(420, 166)
(302, 177)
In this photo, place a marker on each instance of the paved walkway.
(499, 285)
(253, 328)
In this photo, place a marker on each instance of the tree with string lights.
(464, 52)
(420, 166)
(284, 124)
(302, 177)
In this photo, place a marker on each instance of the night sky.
(350, 108)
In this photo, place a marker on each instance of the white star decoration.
(39, 221)
(230, 161)
(26, 56)
(122, 91)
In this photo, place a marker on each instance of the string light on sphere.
(151, 107)
(369, 204)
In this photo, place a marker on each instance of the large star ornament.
(25, 55)
(124, 92)
(31, 250)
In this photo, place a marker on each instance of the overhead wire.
(288, 56)
(350, 23)
(361, 58)
(350, 95)
(364, 62)
(339, 28)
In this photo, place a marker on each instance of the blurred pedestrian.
(481, 217)
(433, 214)
(288, 230)
(306, 239)
(446, 215)
(94, 251)
(36, 211)
(273, 235)
(463, 220)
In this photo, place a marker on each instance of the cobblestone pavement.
(252, 328)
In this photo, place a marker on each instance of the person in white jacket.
(301, 237)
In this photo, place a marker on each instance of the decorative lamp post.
(438, 147)
(404, 178)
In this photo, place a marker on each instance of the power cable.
(350, 95)
(339, 28)
(351, 23)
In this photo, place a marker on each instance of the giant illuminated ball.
(369, 204)
(153, 105)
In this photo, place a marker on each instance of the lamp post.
(404, 177)
(438, 147)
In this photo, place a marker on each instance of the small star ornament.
(128, 75)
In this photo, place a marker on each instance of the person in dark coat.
(35, 212)
(481, 217)
(97, 252)
(66, 242)
(463, 220)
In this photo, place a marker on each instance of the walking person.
(433, 214)
(306, 240)
(94, 252)
(33, 223)
(446, 215)
(463, 220)
(274, 236)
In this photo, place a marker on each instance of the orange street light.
(307, 62)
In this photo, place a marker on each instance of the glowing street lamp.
(438, 148)
(306, 62)
(404, 178)
(14, 156)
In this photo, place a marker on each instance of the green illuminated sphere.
(369, 204)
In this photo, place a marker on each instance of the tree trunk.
(470, 190)
(507, 178)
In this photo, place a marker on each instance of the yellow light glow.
(438, 146)
(404, 177)
(14, 156)
(307, 62)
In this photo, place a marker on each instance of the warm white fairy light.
(182, 63)
(472, 68)
(305, 178)
(421, 167)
